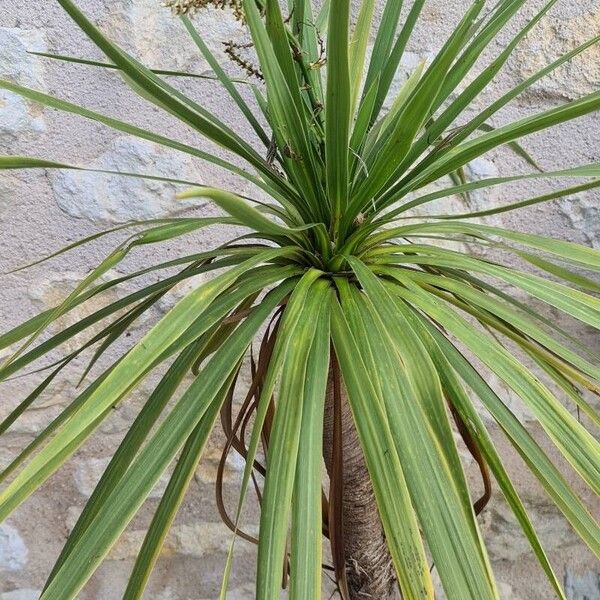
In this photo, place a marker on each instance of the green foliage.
(339, 277)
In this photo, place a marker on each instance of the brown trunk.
(369, 568)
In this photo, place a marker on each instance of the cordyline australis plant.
(372, 326)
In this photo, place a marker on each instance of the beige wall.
(41, 211)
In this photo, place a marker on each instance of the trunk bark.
(368, 565)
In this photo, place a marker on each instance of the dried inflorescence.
(189, 7)
(234, 52)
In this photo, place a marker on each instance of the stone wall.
(41, 211)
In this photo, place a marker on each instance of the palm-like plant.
(371, 325)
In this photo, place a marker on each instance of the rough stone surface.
(13, 551)
(41, 211)
(104, 199)
(17, 64)
(22, 594)
(19, 116)
(137, 25)
(506, 592)
(555, 36)
(582, 587)
(583, 214)
(5, 192)
(89, 470)
(507, 543)
(16, 116)
(197, 540)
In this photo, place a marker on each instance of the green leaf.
(591, 170)
(126, 374)
(462, 403)
(389, 484)
(467, 151)
(105, 65)
(153, 235)
(129, 447)
(361, 127)
(287, 330)
(572, 392)
(187, 111)
(280, 43)
(576, 444)
(535, 315)
(308, 27)
(578, 304)
(29, 327)
(461, 134)
(153, 408)
(306, 551)
(294, 394)
(128, 495)
(358, 48)
(65, 106)
(227, 82)
(390, 68)
(256, 281)
(416, 410)
(28, 162)
(568, 251)
(383, 40)
(323, 15)
(171, 501)
(575, 278)
(416, 110)
(515, 147)
(529, 450)
(501, 16)
(528, 202)
(338, 109)
(385, 126)
(30, 399)
(289, 128)
(240, 210)
(480, 121)
(501, 310)
(106, 265)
